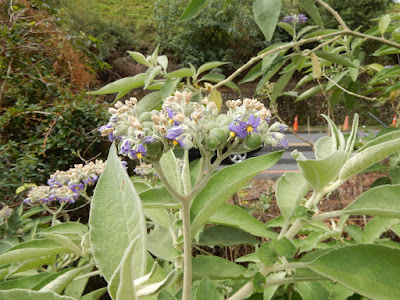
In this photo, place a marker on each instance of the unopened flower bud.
(119, 104)
(112, 110)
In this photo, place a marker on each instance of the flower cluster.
(64, 186)
(295, 19)
(188, 124)
(5, 212)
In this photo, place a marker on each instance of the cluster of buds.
(147, 172)
(295, 19)
(186, 124)
(5, 212)
(64, 186)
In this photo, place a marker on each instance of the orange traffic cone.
(346, 124)
(394, 122)
(296, 124)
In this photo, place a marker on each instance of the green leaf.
(290, 189)
(149, 102)
(206, 290)
(367, 158)
(384, 23)
(370, 270)
(211, 77)
(269, 291)
(172, 170)
(158, 197)
(253, 74)
(140, 185)
(381, 139)
(336, 78)
(26, 265)
(76, 288)
(267, 254)
(312, 290)
(287, 27)
(158, 215)
(215, 268)
(321, 172)
(32, 249)
(116, 218)
(94, 295)
(310, 92)
(335, 58)
(325, 147)
(311, 241)
(19, 294)
(216, 97)
(63, 241)
(192, 10)
(232, 215)
(151, 289)
(123, 85)
(383, 201)
(160, 244)
(27, 282)
(266, 14)
(163, 61)
(221, 235)
(209, 66)
(224, 183)
(336, 134)
(151, 73)
(168, 88)
(61, 282)
(67, 228)
(281, 84)
(139, 57)
(258, 282)
(312, 10)
(268, 60)
(284, 247)
(185, 72)
(352, 138)
(165, 295)
(121, 284)
(376, 227)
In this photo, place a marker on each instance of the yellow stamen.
(249, 128)
(170, 121)
(175, 142)
(139, 155)
(232, 134)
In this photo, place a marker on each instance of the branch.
(334, 14)
(348, 92)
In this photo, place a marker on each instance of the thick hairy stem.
(293, 280)
(275, 268)
(187, 251)
(244, 292)
(327, 215)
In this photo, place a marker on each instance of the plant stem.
(244, 291)
(187, 251)
(331, 214)
(292, 280)
(265, 270)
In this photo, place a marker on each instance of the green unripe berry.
(224, 120)
(148, 125)
(220, 135)
(145, 117)
(253, 141)
(211, 142)
(153, 149)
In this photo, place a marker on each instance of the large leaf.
(290, 189)
(281, 84)
(168, 88)
(151, 73)
(232, 215)
(383, 201)
(384, 23)
(335, 58)
(368, 157)
(223, 184)
(160, 244)
(381, 139)
(221, 235)
(266, 14)
(370, 270)
(185, 72)
(139, 57)
(321, 172)
(312, 10)
(149, 102)
(116, 218)
(62, 281)
(19, 294)
(121, 85)
(215, 268)
(27, 282)
(192, 10)
(312, 290)
(209, 66)
(376, 227)
(172, 170)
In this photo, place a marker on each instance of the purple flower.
(125, 147)
(76, 187)
(149, 140)
(171, 115)
(283, 144)
(361, 134)
(69, 199)
(282, 128)
(108, 126)
(124, 164)
(301, 18)
(45, 200)
(243, 129)
(292, 19)
(91, 180)
(53, 183)
(139, 153)
(113, 119)
(173, 134)
(288, 19)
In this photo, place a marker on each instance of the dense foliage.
(46, 119)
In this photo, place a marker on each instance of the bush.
(43, 113)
